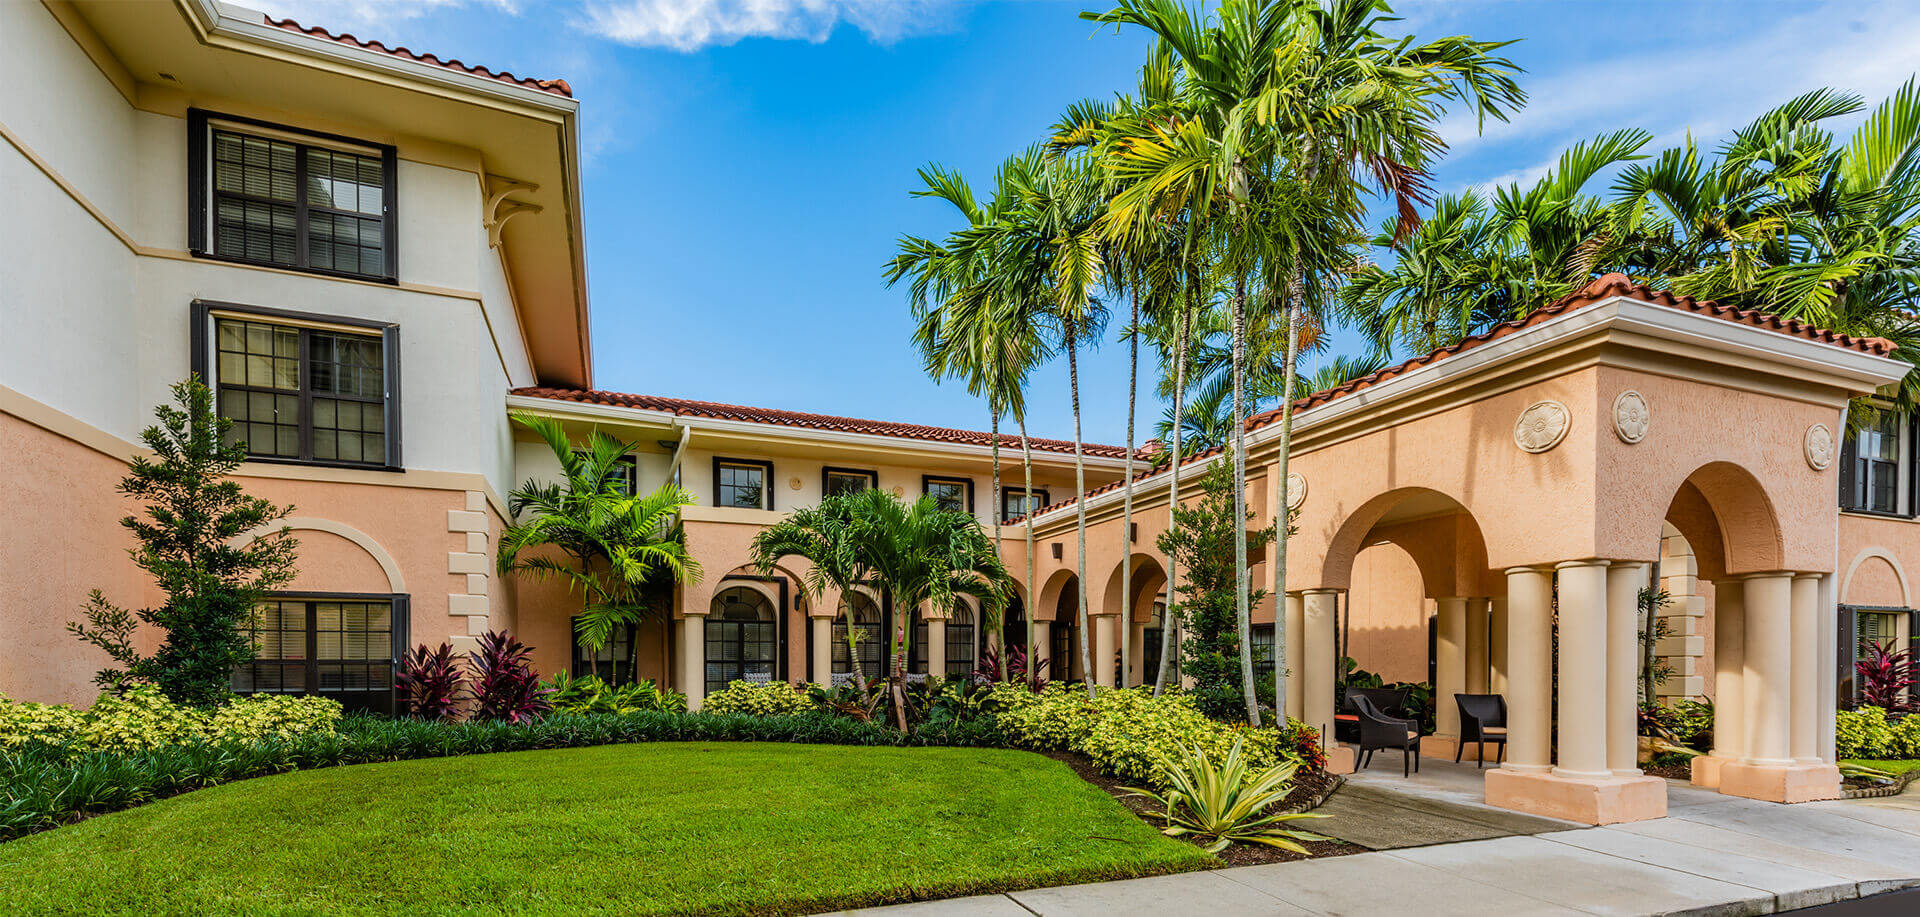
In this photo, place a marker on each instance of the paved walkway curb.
(1714, 855)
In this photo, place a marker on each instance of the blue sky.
(748, 162)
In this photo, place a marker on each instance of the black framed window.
(268, 194)
(613, 663)
(835, 481)
(952, 494)
(871, 639)
(1871, 482)
(1153, 642)
(298, 390)
(626, 473)
(1065, 652)
(339, 646)
(1262, 647)
(961, 648)
(742, 639)
(1016, 502)
(742, 483)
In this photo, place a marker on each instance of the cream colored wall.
(1387, 611)
(900, 477)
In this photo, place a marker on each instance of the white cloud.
(689, 25)
(1710, 88)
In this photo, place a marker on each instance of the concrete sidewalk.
(1712, 855)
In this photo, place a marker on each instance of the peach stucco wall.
(64, 496)
(1387, 610)
(1878, 557)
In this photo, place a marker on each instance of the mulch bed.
(1670, 771)
(1307, 786)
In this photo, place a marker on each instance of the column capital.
(1765, 574)
(1321, 591)
(1812, 576)
(1533, 568)
(1589, 562)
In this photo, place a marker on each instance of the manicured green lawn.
(656, 828)
(1892, 767)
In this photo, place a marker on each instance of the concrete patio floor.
(1713, 854)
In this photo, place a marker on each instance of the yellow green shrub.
(764, 698)
(1128, 734)
(143, 718)
(1864, 733)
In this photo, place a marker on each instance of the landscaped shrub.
(1221, 801)
(143, 719)
(430, 683)
(1864, 733)
(589, 694)
(765, 698)
(1130, 734)
(505, 686)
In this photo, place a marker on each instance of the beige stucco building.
(376, 259)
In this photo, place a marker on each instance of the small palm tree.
(609, 546)
(825, 536)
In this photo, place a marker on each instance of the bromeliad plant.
(1227, 803)
(430, 684)
(505, 687)
(589, 694)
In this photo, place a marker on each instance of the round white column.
(822, 648)
(1730, 669)
(1805, 664)
(1449, 664)
(1769, 662)
(1529, 669)
(1583, 670)
(1296, 624)
(693, 659)
(1317, 666)
(1106, 648)
(1624, 582)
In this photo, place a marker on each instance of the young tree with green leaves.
(1203, 543)
(209, 546)
(620, 552)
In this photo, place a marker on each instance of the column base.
(1341, 759)
(1592, 801)
(1792, 783)
(1442, 748)
(1706, 770)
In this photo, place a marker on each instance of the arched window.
(870, 634)
(743, 638)
(960, 643)
(1153, 640)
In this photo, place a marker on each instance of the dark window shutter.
(1848, 449)
(1848, 642)
(196, 181)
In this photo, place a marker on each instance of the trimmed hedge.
(44, 786)
(1865, 733)
(1130, 734)
(143, 719)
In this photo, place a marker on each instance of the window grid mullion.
(313, 648)
(300, 222)
(306, 395)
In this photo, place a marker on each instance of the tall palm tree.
(614, 546)
(1292, 105)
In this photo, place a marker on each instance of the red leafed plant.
(1888, 679)
(505, 686)
(431, 683)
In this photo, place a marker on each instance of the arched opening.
(870, 635)
(1155, 637)
(742, 639)
(1065, 635)
(1145, 581)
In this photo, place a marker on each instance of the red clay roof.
(557, 87)
(1601, 288)
(717, 411)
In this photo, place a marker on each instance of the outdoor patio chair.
(1346, 723)
(1378, 730)
(1483, 719)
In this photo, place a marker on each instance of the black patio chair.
(1483, 719)
(1390, 701)
(1378, 730)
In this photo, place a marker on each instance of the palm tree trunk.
(1169, 646)
(1080, 508)
(897, 674)
(999, 626)
(853, 643)
(1126, 505)
(1282, 516)
(1242, 614)
(1026, 463)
